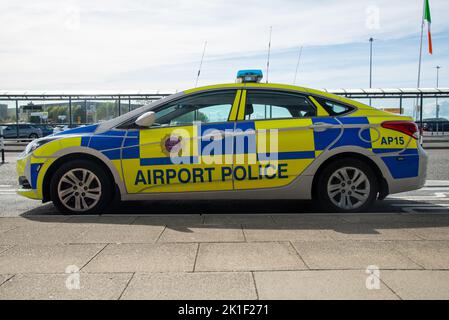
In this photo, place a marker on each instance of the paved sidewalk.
(273, 256)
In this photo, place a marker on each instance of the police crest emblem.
(172, 145)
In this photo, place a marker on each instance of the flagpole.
(420, 58)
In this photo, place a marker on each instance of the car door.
(10, 131)
(188, 148)
(282, 143)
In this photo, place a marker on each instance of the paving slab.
(25, 220)
(115, 233)
(54, 286)
(202, 233)
(52, 233)
(431, 233)
(197, 286)
(353, 231)
(247, 257)
(4, 277)
(429, 254)
(46, 258)
(418, 284)
(286, 233)
(160, 257)
(307, 219)
(172, 220)
(4, 248)
(352, 255)
(236, 219)
(6, 227)
(100, 220)
(329, 284)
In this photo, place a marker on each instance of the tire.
(33, 136)
(81, 187)
(332, 192)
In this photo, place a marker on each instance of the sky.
(156, 46)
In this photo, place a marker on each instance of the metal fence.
(75, 108)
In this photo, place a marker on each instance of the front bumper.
(28, 186)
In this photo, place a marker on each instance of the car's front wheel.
(81, 187)
(346, 185)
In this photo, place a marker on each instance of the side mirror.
(146, 120)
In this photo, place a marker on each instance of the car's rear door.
(282, 143)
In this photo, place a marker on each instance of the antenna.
(297, 64)
(201, 64)
(269, 49)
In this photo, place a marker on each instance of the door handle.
(216, 135)
(321, 126)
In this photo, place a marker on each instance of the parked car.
(436, 124)
(63, 127)
(45, 128)
(26, 130)
(211, 143)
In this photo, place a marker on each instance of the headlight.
(33, 145)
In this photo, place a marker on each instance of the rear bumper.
(413, 183)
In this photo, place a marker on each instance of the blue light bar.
(249, 75)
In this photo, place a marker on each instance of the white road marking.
(439, 183)
(440, 196)
(425, 205)
(434, 189)
(413, 210)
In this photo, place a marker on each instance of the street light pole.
(370, 65)
(437, 107)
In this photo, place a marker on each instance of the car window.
(205, 108)
(332, 107)
(277, 105)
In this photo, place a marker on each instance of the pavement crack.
(8, 279)
(196, 257)
(391, 289)
(297, 252)
(94, 256)
(126, 286)
(255, 285)
(243, 232)
(160, 234)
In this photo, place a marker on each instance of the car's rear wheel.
(346, 185)
(81, 187)
(33, 136)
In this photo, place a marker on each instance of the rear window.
(334, 108)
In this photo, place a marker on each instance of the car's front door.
(188, 148)
(282, 144)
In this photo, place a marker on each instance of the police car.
(245, 140)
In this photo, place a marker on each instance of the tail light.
(407, 127)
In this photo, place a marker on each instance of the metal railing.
(2, 146)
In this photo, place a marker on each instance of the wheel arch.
(76, 156)
(383, 184)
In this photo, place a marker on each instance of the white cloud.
(85, 44)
